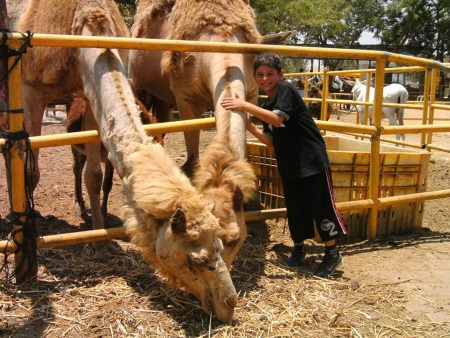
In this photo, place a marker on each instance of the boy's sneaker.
(329, 265)
(297, 257)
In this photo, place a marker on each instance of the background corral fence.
(425, 97)
(372, 202)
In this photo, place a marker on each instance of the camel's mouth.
(219, 295)
(222, 307)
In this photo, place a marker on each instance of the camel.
(228, 183)
(195, 81)
(164, 214)
(94, 180)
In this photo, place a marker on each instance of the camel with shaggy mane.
(227, 182)
(163, 213)
(89, 155)
(195, 81)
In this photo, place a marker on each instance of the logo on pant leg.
(329, 227)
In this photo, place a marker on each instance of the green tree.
(417, 26)
(322, 23)
(127, 9)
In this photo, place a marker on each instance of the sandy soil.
(386, 286)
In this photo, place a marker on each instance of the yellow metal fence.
(372, 203)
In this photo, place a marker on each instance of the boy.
(302, 161)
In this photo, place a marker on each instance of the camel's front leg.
(93, 179)
(107, 186)
(192, 137)
(79, 160)
(34, 106)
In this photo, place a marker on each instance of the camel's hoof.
(103, 251)
(113, 250)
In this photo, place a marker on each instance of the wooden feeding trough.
(402, 172)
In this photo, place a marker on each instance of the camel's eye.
(198, 261)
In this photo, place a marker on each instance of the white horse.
(393, 93)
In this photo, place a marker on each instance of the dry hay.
(75, 296)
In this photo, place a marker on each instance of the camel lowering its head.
(164, 214)
(92, 154)
(227, 182)
(195, 81)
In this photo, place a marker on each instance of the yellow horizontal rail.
(75, 41)
(92, 135)
(417, 197)
(346, 127)
(432, 128)
(119, 232)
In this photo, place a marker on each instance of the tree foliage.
(127, 9)
(417, 26)
(420, 26)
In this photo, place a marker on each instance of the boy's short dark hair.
(268, 59)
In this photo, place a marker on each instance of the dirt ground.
(394, 286)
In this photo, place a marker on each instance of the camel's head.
(172, 224)
(189, 254)
(228, 206)
(227, 184)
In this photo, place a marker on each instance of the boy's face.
(268, 79)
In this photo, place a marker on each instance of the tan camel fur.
(15, 8)
(49, 74)
(164, 214)
(195, 81)
(94, 178)
(227, 182)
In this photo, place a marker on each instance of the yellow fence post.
(25, 255)
(426, 102)
(325, 86)
(375, 147)
(434, 84)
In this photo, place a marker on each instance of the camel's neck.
(145, 168)
(113, 104)
(227, 79)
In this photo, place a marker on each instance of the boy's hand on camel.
(233, 103)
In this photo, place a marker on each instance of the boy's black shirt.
(299, 147)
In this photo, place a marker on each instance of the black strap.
(18, 53)
(25, 222)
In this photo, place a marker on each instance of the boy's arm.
(258, 133)
(265, 115)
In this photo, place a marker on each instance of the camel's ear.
(178, 222)
(238, 199)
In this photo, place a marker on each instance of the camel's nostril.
(231, 301)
